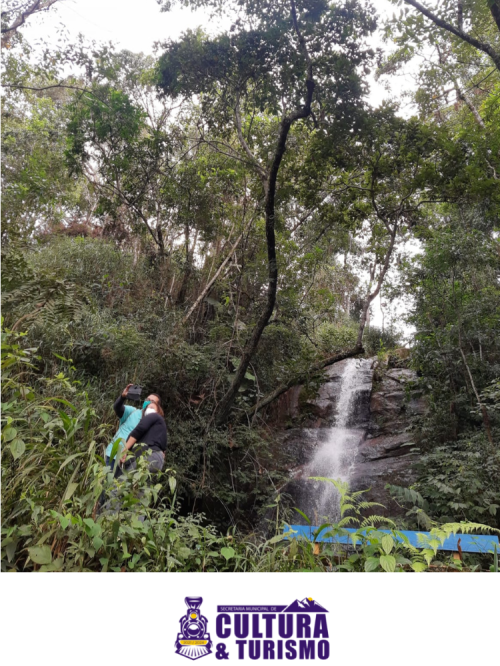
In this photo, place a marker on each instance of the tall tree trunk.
(223, 409)
(494, 6)
(462, 95)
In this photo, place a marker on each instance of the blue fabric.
(129, 420)
(110, 463)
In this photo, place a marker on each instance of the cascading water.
(336, 452)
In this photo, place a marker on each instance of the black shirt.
(151, 431)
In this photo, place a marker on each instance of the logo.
(193, 641)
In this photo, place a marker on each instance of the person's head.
(154, 397)
(153, 402)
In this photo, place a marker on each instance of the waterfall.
(336, 452)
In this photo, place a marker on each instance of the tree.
(38, 192)
(282, 68)
(16, 12)
(452, 15)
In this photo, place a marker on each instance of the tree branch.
(211, 282)
(37, 6)
(300, 379)
(244, 144)
(458, 32)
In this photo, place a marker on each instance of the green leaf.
(55, 565)
(69, 459)
(227, 552)
(17, 448)
(277, 538)
(9, 434)
(302, 514)
(40, 554)
(372, 564)
(97, 542)
(419, 566)
(434, 544)
(388, 563)
(387, 543)
(72, 486)
(428, 555)
(10, 549)
(184, 552)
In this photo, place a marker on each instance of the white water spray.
(335, 456)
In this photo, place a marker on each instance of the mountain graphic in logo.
(307, 605)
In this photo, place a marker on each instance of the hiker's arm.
(135, 436)
(119, 405)
(143, 426)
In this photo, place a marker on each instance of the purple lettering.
(323, 649)
(285, 625)
(241, 649)
(268, 652)
(220, 621)
(320, 626)
(291, 652)
(303, 626)
(254, 649)
(255, 626)
(306, 649)
(241, 625)
(268, 619)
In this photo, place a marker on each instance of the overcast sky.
(136, 25)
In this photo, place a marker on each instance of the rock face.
(387, 454)
(373, 431)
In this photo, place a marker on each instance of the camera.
(134, 393)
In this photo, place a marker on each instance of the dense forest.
(225, 220)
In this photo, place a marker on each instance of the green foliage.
(374, 550)
(135, 250)
(376, 340)
(461, 480)
(335, 337)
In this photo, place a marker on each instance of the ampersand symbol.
(221, 651)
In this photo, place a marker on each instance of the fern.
(47, 301)
(406, 495)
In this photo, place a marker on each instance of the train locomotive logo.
(193, 641)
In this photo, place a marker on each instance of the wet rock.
(375, 433)
(401, 375)
(387, 405)
(373, 475)
(386, 446)
(299, 445)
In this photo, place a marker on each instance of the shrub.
(375, 340)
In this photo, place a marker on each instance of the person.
(149, 438)
(129, 418)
